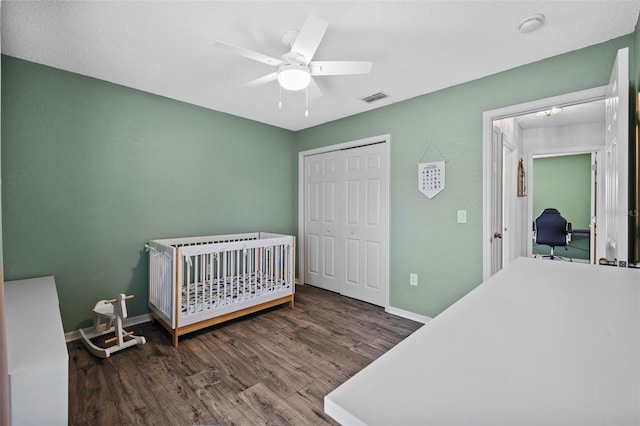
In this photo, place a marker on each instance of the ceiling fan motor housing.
(289, 37)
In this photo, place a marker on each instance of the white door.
(321, 227)
(364, 239)
(346, 209)
(509, 194)
(496, 198)
(616, 167)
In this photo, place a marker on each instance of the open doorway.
(559, 137)
(612, 173)
(565, 182)
(562, 147)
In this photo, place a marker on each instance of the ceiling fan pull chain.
(280, 97)
(306, 101)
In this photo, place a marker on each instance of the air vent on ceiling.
(375, 97)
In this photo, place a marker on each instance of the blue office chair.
(553, 230)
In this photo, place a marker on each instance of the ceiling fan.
(296, 68)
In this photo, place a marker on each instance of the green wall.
(564, 183)
(424, 236)
(92, 170)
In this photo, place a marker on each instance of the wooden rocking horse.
(113, 311)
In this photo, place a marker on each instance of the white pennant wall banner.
(431, 178)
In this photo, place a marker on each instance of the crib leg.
(291, 302)
(175, 338)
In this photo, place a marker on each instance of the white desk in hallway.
(540, 343)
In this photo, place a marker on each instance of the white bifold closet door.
(346, 222)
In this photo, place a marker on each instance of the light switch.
(462, 216)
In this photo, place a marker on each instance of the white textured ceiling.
(417, 47)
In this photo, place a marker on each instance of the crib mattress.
(209, 295)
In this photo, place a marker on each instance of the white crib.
(201, 281)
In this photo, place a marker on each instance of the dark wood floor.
(274, 367)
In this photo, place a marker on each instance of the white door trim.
(386, 139)
(487, 132)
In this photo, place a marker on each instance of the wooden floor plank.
(272, 367)
(222, 401)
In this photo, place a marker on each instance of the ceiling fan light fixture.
(294, 77)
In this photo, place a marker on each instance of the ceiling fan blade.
(248, 53)
(309, 38)
(314, 91)
(339, 67)
(262, 80)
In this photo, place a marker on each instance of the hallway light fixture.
(548, 112)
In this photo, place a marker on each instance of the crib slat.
(279, 266)
(232, 277)
(245, 293)
(224, 275)
(218, 279)
(252, 268)
(236, 280)
(196, 286)
(186, 284)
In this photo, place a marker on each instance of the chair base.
(553, 257)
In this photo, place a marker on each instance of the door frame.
(386, 141)
(487, 134)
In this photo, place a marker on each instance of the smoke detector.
(531, 23)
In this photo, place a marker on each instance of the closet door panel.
(353, 262)
(313, 247)
(373, 202)
(329, 202)
(352, 202)
(373, 259)
(329, 264)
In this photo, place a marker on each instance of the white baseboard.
(409, 315)
(128, 322)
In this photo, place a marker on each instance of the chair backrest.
(551, 228)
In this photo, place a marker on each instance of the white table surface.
(540, 343)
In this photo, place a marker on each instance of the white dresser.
(37, 353)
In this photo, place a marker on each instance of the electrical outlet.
(413, 279)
